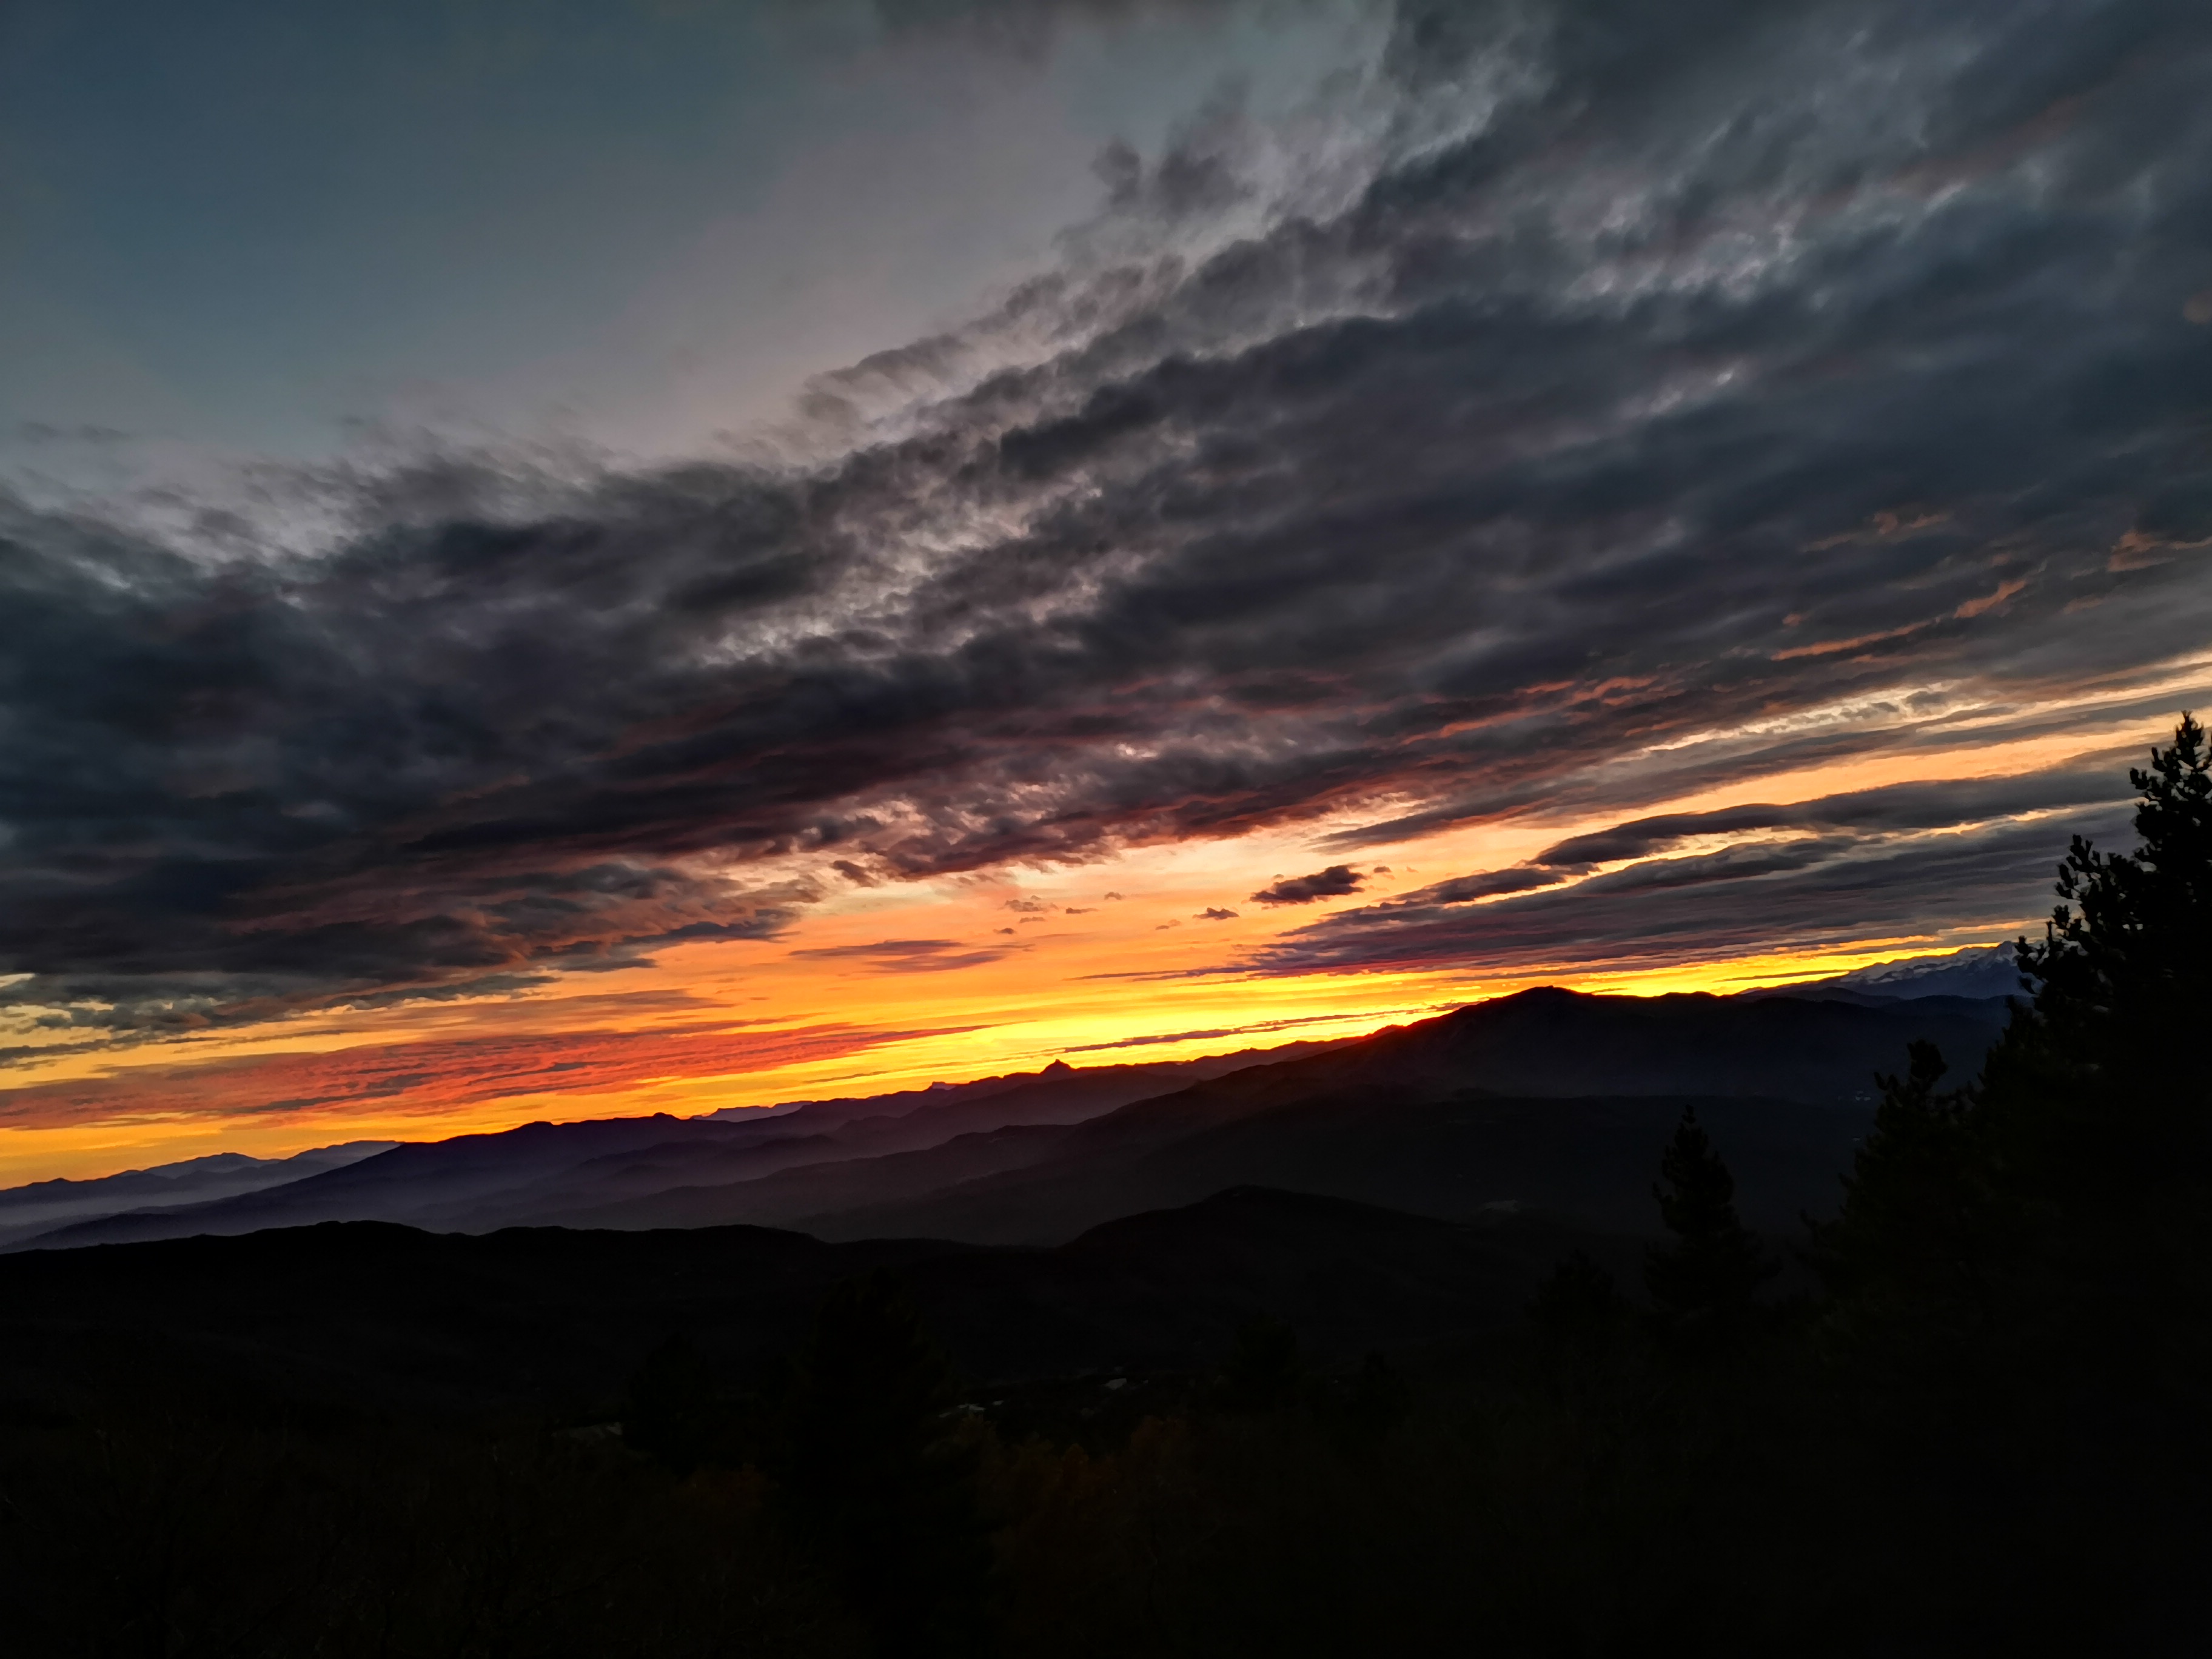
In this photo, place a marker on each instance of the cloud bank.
(1613, 377)
(431, 1078)
(1685, 888)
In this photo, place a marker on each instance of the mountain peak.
(1978, 970)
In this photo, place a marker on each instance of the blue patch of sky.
(241, 222)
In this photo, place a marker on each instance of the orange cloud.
(1830, 648)
(1989, 602)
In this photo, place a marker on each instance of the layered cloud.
(432, 1078)
(1338, 881)
(1593, 393)
(905, 956)
(1695, 887)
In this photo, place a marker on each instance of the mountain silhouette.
(41, 1207)
(1550, 1100)
(1978, 971)
(477, 1182)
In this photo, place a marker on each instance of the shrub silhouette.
(873, 1487)
(1577, 1316)
(670, 1410)
(1263, 1372)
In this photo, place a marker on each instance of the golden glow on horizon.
(1069, 962)
(1323, 1006)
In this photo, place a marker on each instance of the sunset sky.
(560, 559)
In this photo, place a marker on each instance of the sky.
(568, 560)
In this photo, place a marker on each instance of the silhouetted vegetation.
(1705, 1282)
(1263, 1372)
(1980, 1427)
(671, 1411)
(876, 1487)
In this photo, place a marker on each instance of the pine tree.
(2023, 1267)
(1706, 1282)
(2082, 1155)
(2132, 956)
(2093, 1129)
(2124, 978)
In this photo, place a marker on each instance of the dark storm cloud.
(1667, 370)
(1334, 882)
(1897, 807)
(1490, 883)
(1706, 909)
(1884, 862)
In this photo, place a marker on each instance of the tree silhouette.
(2123, 978)
(2022, 1300)
(873, 1487)
(2051, 1217)
(1705, 1282)
(2125, 945)
(1911, 1201)
(2084, 1153)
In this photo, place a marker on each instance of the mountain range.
(1410, 1186)
(1548, 1100)
(469, 1182)
(43, 1205)
(1978, 971)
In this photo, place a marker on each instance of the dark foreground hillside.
(546, 1325)
(363, 1438)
